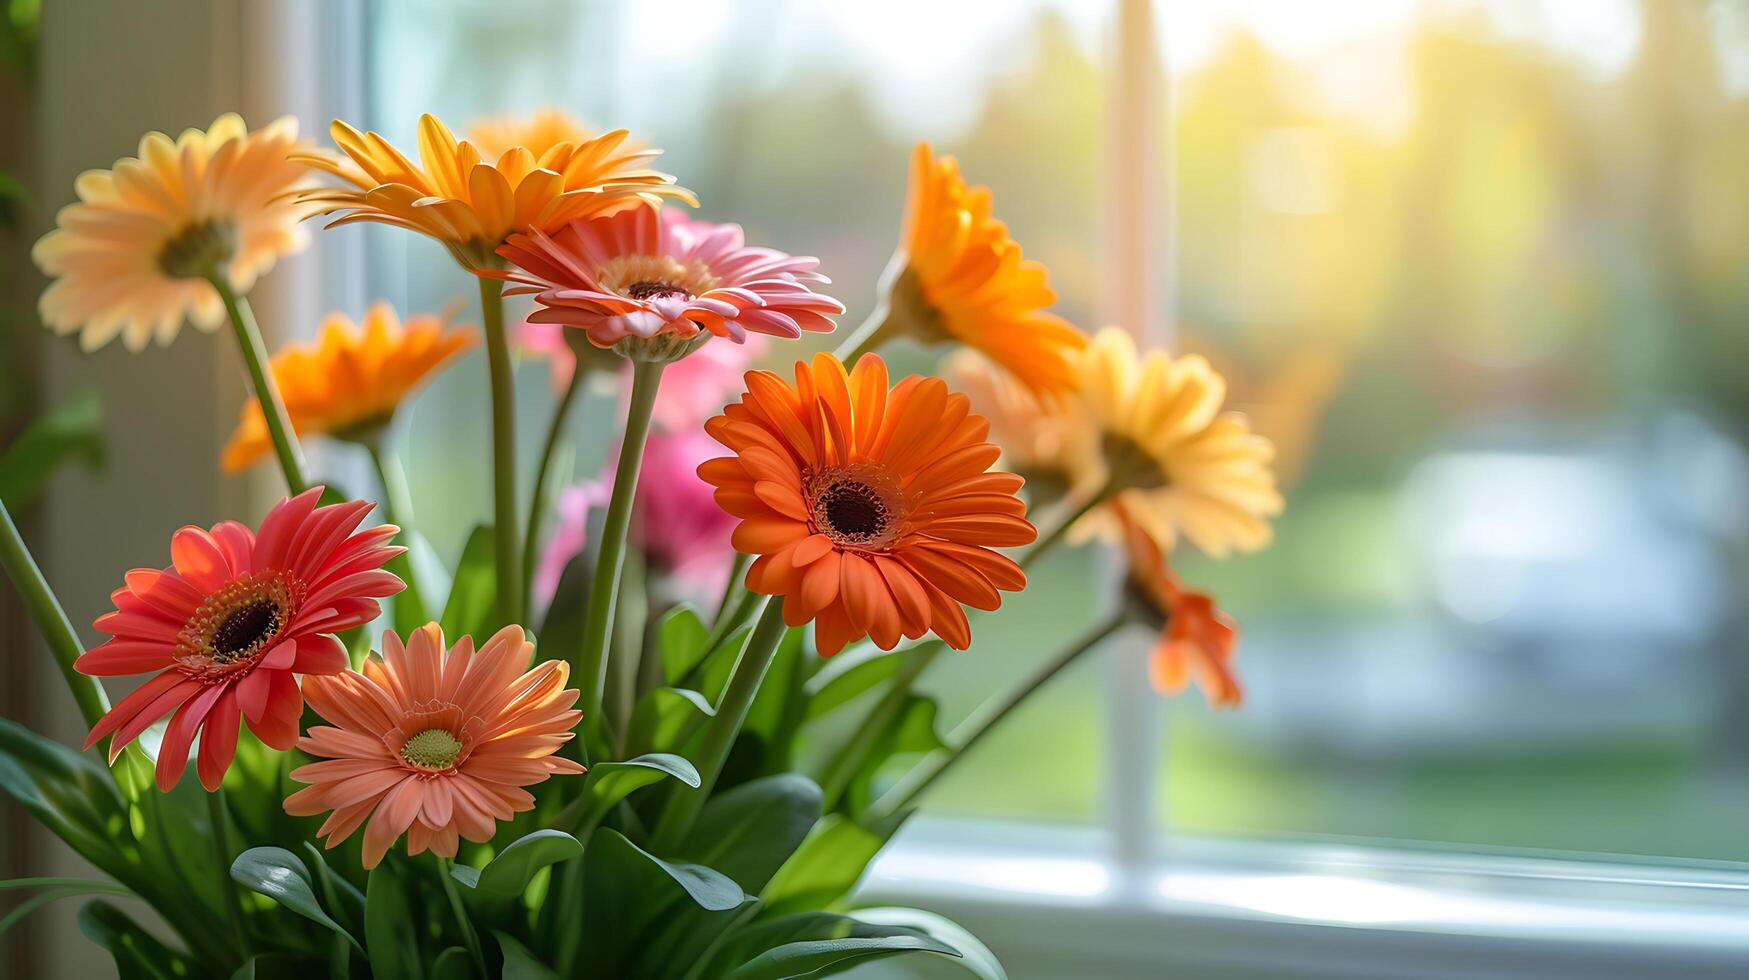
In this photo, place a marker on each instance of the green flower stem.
(719, 736)
(50, 619)
(279, 427)
(469, 936)
(230, 896)
(604, 586)
(504, 522)
(543, 478)
(398, 510)
(734, 587)
(1060, 530)
(880, 327)
(986, 717)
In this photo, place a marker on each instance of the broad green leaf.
(913, 733)
(827, 865)
(610, 782)
(975, 957)
(665, 718)
(138, 954)
(473, 594)
(389, 942)
(846, 676)
(748, 832)
(681, 637)
(278, 966)
(519, 963)
(507, 875)
(66, 792)
(767, 742)
(639, 910)
(816, 943)
(278, 874)
(454, 963)
(562, 628)
(71, 431)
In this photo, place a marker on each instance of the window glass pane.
(1479, 269)
(795, 119)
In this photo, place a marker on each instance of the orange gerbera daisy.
(131, 257)
(471, 204)
(873, 512)
(438, 743)
(959, 275)
(348, 383)
(1197, 640)
(538, 133)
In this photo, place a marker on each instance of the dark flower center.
(244, 627)
(852, 512)
(198, 250)
(650, 288)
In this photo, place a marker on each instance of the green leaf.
(390, 944)
(681, 637)
(665, 718)
(138, 954)
(67, 793)
(519, 963)
(639, 910)
(72, 431)
(341, 897)
(90, 886)
(454, 963)
(507, 875)
(975, 957)
(849, 675)
(278, 874)
(610, 782)
(562, 627)
(912, 734)
(748, 832)
(767, 744)
(472, 596)
(278, 966)
(814, 943)
(827, 865)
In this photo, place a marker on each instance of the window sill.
(1052, 903)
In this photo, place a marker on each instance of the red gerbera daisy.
(230, 622)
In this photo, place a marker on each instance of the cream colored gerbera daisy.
(1172, 460)
(132, 256)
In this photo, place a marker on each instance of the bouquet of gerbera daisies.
(530, 768)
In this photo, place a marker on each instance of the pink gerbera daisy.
(438, 744)
(647, 271)
(230, 622)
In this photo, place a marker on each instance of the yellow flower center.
(433, 750)
(855, 506)
(198, 250)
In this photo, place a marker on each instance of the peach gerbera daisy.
(348, 383)
(1043, 440)
(437, 743)
(873, 512)
(132, 256)
(958, 275)
(229, 623)
(1196, 639)
(1169, 457)
(538, 132)
(470, 203)
(648, 272)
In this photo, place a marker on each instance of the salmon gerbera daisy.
(132, 257)
(651, 273)
(873, 512)
(1169, 458)
(231, 621)
(348, 383)
(469, 203)
(436, 743)
(1196, 639)
(958, 275)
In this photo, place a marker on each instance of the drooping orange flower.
(1197, 640)
(130, 257)
(959, 275)
(538, 132)
(349, 382)
(873, 512)
(230, 622)
(471, 204)
(437, 743)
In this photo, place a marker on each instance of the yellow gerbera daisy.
(131, 257)
(959, 275)
(348, 383)
(1168, 455)
(470, 204)
(537, 133)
